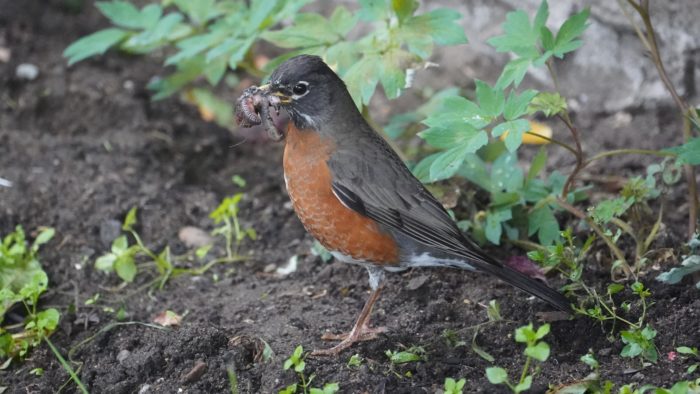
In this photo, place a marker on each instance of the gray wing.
(373, 181)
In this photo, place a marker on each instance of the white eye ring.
(301, 89)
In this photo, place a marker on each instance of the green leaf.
(129, 220)
(543, 222)
(402, 357)
(520, 36)
(447, 163)
(493, 224)
(550, 104)
(94, 44)
(392, 76)
(506, 175)
(688, 153)
(525, 334)
(539, 352)
(44, 236)
(615, 288)
(524, 386)
(537, 164)
(106, 262)
(125, 14)
(125, 267)
(342, 21)
(572, 28)
(404, 8)
(474, 169)
(541, 16)
(590, 360)
(513, 73)
(608, 209)
(120, 245)
(374, 10)
(440, 24)
(496, 375)
(515, 129)
(491, 100)
(361, 79)
(687, 350)
(48, 319)
(446, 138)
(516, 105)
(455, 111)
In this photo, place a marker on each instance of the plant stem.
(66, 366)
(579, 153)
(553, 141)
(616, 152)
(651, 44)
(598, 230)
(526, 368)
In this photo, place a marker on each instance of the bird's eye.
(300, 88)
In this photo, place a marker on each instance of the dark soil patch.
(84, 145)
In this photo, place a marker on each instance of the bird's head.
(308, 89)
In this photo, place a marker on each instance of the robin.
(353, 193)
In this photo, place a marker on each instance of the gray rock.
(27, 71)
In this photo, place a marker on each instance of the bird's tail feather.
(523, 282)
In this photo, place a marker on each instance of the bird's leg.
(361, 330)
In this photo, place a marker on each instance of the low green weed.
(296, 362)
(689, 266)
(690, 353)
(452, 386)
(23, 280)
(123, 256)
(535, 349)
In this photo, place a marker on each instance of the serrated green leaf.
(506, 175)
(447, 138)
(515, 130)
(94, 44)
(308, 30)
(440, 24)
(125, 14)
(392, 75)
(374, 10)
(513, 73)
(608, 209)
(496, 375)
(520, 37)
(689, 152)
(455, 111)
(422, 169)
(404, 8)
(493, 229)
(572, 28)
(491, 100)
(543, 222)
(516, 104)
(447, 164)
(547, 41)
(342, 21)
(541, 16)
(362, 78)
(474, 169)
(550, 104)
(151, 38)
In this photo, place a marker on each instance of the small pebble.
(417, 282)
(27, 71)
(194, 237)
(123, 355)
(144, 389)
(5, 54)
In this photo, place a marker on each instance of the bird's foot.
(364, 333)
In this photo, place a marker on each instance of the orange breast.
(336, 227)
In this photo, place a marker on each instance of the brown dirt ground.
(85, 144)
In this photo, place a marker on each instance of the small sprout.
(454, 387)
(590, 360)
(355, 361)
(296, 360)
(238, 181)
(535, 349)
(412, 354)
(452, 339)
(494, 311)
(640, 343)
(92, 300)
(37, 372)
